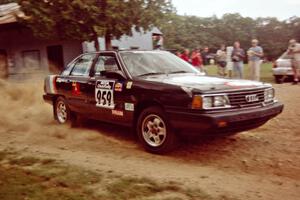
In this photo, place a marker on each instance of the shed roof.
(9, 13)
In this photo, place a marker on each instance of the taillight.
(274, 64)
(54, 84)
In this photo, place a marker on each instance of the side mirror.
(118, 74)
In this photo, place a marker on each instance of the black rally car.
(158, 94)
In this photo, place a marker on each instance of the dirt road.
(259, 164)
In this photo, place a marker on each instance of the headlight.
(269, 95)
(220, 101)
(210, 102)
(207, 102)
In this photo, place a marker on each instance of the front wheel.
(155, 132)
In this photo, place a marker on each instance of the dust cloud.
(23, 111)
(22, 108)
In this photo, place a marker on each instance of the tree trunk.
(96, 43)
(108, 41)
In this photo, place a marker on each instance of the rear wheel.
(62, 113)
(278, 79)
(155, 132)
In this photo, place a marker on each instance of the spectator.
(158, 42)
(238, 55)
(186, 55)
(221, 60)
(197, 59)
(294, 52)
(178, 54)
(229, 65)
(205, 54)
(255, 54)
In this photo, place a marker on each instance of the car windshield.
(141, 63)
(284, 56)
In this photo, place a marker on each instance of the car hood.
(284, 63)
(204, 83)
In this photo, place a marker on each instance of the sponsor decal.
(129, 106)
(105, 84)
(118, 87)
(129, 85)
(104, 94)
(117, 113)
(76, 88)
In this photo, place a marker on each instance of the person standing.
(294, 51)
(178, 54)
(197, 59)
(255, 54)
(238, 55)
(158, 42)
(221, 60)
(204, 55)
(229, 63)
(186, 55)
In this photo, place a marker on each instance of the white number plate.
(104, 94)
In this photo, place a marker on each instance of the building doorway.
(55, 58)
(3, 64)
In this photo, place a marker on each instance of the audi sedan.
(161, 96)
(282, 69)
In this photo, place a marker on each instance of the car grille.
(238, 99)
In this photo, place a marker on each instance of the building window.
(31, 59)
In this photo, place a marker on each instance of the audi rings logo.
(251, 98)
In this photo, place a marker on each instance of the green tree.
(86, 20)
(63, 19)
(293, 24)
(119, 17)
(191, 31)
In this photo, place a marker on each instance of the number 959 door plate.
(104, 93)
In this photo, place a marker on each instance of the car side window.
(105, 63)
(83, 65)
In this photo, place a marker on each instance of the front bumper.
(226, 122)
(282, 71)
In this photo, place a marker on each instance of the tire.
(62, 112)
(278, 79)
(161, 139)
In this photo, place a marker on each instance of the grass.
(142, 188)
(265, 73)
(42, 179)
(33, 178)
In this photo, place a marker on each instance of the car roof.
(125, 50)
